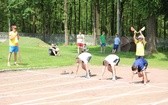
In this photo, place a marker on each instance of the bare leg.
(114, 72)
(104, 49)
(101, 49)
(109, 69)
(15, 58)
(9, 57)
(103, 71)
(78, 50)
(85, 67)
(145, 77)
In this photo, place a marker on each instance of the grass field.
(34, 54)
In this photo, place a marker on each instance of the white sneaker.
(16, 64)
(87, 76)
(114, 78)
(8, 64)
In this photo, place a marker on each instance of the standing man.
(116, 43)
(102, 42)
(80, 42)
(13, 44)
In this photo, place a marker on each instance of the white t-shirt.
(112, 59)
(85, 57)
(80, 38)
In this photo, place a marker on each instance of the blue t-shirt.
(116, 40)
(141, 63)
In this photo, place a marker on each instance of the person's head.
(52, 44)
(116, 34)
(14, 27)
(78, 60)
(134, 68)
(105, 63)
(140, 38)
(103, 33)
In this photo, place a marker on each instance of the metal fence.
(89, 39)
(58, 38)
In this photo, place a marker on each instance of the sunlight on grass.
(34, 54)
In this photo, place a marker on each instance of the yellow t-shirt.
(14, 41)
(140, 47)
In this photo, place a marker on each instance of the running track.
(51, 87)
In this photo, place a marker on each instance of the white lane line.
(45, 93)
(65, 94)
(95, 98)
(31, 73)
(161, 87)
(17, 76)
(32, 81)
(53, 85)
(156, 103)
(69, 100)
(36, 74)
(115, 96)
(160, 102)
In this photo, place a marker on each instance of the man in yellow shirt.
(140, 44)
(13, 44)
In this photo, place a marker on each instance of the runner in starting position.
(139, 67)
(83, 60)
(109, 63)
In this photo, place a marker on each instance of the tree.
(66, 22)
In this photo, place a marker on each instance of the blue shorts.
(14, 49)
(103, 44)
(115, 46)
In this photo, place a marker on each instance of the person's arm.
(132, 77)
(144, 76)
(144, 41)
(135, 40)
(18, 37)
(114, 71)
(11, 36)
(103, 71)
(78, 64)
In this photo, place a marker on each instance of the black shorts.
(50, 52)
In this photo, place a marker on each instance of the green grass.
(34, 54)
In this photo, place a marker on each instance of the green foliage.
(46, 16)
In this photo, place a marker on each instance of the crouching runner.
(83, 60)
(139, 67)
(109, 63)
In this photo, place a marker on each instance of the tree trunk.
(96, 23)
(79, 16)
(66, 22)
(75, 18)
(97, 18)
(86, 18)
(151, 34)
